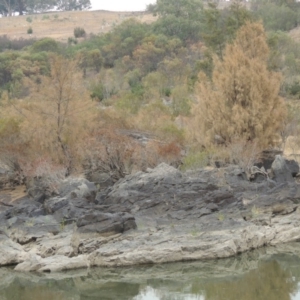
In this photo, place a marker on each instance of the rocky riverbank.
(260, 271)
(161, 215)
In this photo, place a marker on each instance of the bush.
(44, 172)
(71, 41)
(112, 153)
(29, 30)
(170, 153)
(195, 160)
(5, 42)
(16, 44)
(130, 102)
(79, 32)
(171, 130)
(46, 44)
(12, 147)
(294, 89)
(244, 153)
(167, 91)
(97, 92)
(29, 19)
(277, 17)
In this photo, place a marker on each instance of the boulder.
(100, 179)
(11, 253)
(281, 171)
(24, 230)
(56, 263)
(64, 243)
(105, 223)
(39, 188)
(26, 208)
(4, 177)
(267, 157)
(77, 188)
(293, 166)
(141, 185)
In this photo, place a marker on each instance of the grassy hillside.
(211, 86)
(60, 25)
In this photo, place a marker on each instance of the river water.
(265, 274)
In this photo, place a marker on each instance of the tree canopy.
(181, 18)
(242, 101)
(8, 7)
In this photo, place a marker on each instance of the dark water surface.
(265, 274)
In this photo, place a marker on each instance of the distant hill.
(60, 25)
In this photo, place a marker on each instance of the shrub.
(130, 103)
(170, 153)
(171, 130)
(45, 44)
(294, 89)
(181, 102)
(5, 42)
(15, 44)
(12, 146)
(167, 91)
(244, 153)
(112, 153)
(97, 92)
(79, 32)
(29, 19)
(277, 17)
(48, 174)
(29, 30)
(195, 160)
(72, 40)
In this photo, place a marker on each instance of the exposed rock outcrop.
(161, 215)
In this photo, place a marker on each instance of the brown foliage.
(45, 169)
(40, 135)
(108, 152)
(242, 100)
(244, 153)
(57, 113)
(170, 152)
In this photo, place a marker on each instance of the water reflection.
(257, 275)
(270, 281)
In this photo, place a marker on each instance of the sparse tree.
(73, 4)
(59, 102)
(8, 7)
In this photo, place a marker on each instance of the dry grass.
(60, 25)
(17, 193)
(13, 194)
(295, 34)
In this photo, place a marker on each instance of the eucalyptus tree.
(8, 7)
(178, 18)
(73, 4)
